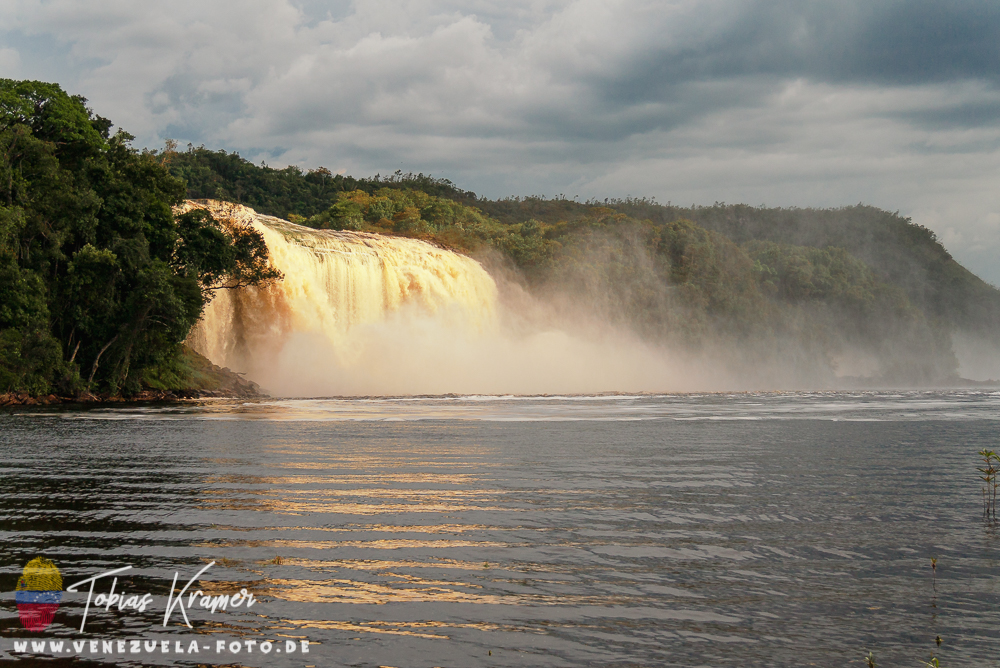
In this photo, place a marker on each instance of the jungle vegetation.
(99, 282)
(784, 284)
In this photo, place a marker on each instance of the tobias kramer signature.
(181, 602)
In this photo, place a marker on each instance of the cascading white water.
(333, 283)
(365, 314)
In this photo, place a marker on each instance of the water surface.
(689, 530)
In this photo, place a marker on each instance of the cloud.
(10, 61)
(778, 102)
(893, 42)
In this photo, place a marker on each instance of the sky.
(826, 103)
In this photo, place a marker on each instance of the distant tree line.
(805, 285)
(898, 251)
(290, 192)
(100, 282)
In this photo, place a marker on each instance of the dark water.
(717, 530)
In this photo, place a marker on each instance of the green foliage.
(174, 372)
(29, 356)
(799, 285)
(220, 256)
(414, 213)
(288, 192)
(804, 273)
(899, 252)
(343, 215)
(675, 281)
(718, 274)
(181, 370)
(836, 289)
(228, 177)
(97, 279)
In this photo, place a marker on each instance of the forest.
(778, 283)
(100, 282)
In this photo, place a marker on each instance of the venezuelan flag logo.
(38, 594)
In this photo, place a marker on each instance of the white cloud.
(10, 62)
(689, 100)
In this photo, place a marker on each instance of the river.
(751, 529)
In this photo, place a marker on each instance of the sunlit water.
(689, 530)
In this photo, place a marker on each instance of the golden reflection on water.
(625, 541)
(380, 544)
(395, 587)
(352, 478)
(391, 528)
(328, 501)
(400, 628)
(384, 565)
(415, 494)
(382, 582)
(306, 508)
(297, 457)
(409, 481)
(373, 593)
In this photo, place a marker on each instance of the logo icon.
(39, 591)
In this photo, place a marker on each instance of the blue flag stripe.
(27, 596)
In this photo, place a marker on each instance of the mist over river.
(656, 530)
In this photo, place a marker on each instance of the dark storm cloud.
(788, 103)
(959, 116)
(750, 49)
(923, 41)
(882, 43)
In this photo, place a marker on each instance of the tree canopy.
(98, 281)
(807, 285)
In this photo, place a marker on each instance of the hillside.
(900, 252)
(806, 287)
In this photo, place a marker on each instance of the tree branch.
(97, 359)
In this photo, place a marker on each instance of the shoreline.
(252, 391)
(11, 399)
(205, 381)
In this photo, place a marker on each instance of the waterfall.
(360, 314)
(335, 282)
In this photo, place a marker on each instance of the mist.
(414, 353)
(361, 314)
(978, 356)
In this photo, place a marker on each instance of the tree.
(97, 278)
(221, 256)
